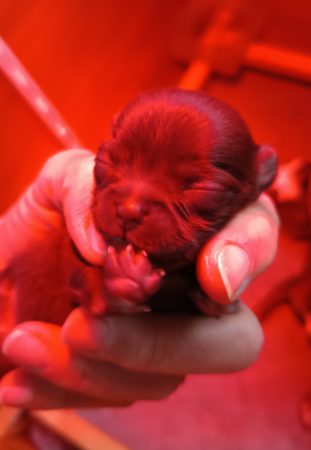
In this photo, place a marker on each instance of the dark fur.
(189, 164)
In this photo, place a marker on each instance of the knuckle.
(151, 353)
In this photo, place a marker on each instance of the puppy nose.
(131, 210)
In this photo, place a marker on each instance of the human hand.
(61, 194)
(117, 360)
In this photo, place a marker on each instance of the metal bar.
(34, 96)
(77, 430)
(279, 61)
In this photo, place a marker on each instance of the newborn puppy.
(179, 165)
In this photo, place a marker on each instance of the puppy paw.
(130, 277)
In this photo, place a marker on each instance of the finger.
(76, 196)
(24, 390)
(38, 348)
(168, 344)
(64, 187)
(240, 252)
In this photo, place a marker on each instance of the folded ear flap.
(115, 123)
(309, 196)
(99, 163)
(267, 166)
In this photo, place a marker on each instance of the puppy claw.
(151, 284)
(129, 250)
(111, 250)
(143, 266)
(111, 265)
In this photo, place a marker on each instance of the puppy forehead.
(159, 128)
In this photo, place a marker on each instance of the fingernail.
(96, 241)
(234, 267)
(26, 349)
(15, 395)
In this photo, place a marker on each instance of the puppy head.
(179, 165)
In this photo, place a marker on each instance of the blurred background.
(90, 58)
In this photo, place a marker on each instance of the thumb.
(240, 252)
(77, 192)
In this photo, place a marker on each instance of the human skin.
(117, 360)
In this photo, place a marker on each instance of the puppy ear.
(267, 166)
(309, 196)
(99, 163)
(114, 124)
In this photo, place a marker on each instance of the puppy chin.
(171, 258)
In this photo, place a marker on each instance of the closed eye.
(109, 177)
(198, 186)
(190, 183)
